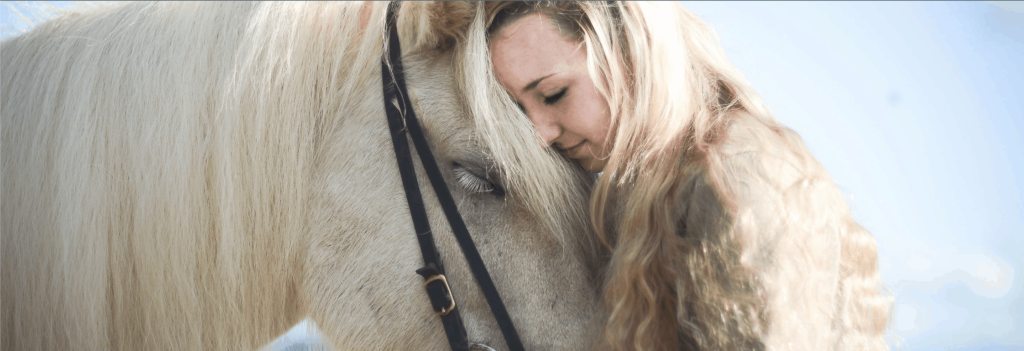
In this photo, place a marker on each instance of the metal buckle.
(444, 310)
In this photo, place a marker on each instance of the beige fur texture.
(188, 176)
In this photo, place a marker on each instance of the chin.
(592, 166)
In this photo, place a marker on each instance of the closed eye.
(551, 100)
(475, 183)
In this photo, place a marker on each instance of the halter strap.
(397, 105)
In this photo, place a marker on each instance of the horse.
(205, 175)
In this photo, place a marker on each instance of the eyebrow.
(534, 83)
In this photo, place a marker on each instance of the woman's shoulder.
(752, 159)
(743, 132)
(755, 148)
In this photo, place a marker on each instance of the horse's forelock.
(538, 178)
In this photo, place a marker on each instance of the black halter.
(397, 105)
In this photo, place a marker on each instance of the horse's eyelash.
(472, 182)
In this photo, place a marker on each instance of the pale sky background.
(917, 111)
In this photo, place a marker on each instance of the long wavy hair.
(725, 232)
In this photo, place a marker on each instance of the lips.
(573, 152)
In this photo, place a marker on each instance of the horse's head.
(205, 175)
(364, 251)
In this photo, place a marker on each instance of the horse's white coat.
(203, 175)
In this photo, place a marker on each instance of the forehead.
(530, 48)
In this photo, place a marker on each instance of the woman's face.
(546, 72)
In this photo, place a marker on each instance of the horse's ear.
(436, 24)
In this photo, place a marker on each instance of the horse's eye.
(476, 183)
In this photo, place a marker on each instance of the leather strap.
(397, 104)
(394, 106)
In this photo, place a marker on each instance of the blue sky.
(917, 111)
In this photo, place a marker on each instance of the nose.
(548, 128)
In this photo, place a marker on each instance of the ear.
(434, 24)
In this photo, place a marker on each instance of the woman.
(725, 232)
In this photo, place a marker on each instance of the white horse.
(188, 176)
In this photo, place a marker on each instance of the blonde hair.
(543, 182)
(155, 168)
(726, 232)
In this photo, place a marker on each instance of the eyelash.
(475, 183)
(550, 100)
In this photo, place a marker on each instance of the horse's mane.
(193, 123)
(197, 125)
